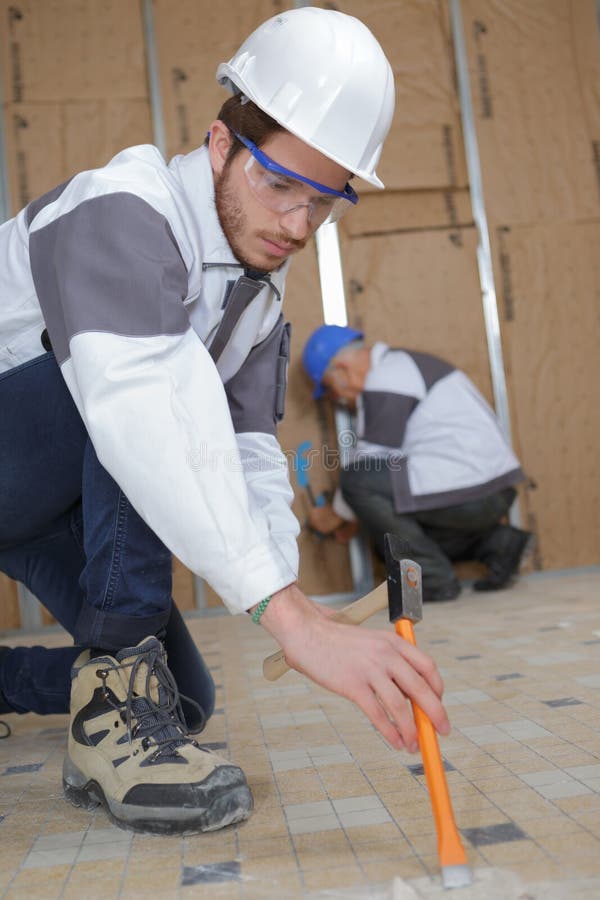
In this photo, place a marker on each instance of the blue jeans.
(70, 535)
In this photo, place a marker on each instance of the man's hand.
(346, 532)
(324, 520)
(377, 670)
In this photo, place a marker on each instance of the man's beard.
(234, 222)
(232, 218)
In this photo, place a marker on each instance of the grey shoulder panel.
(432, 368)
(386, 415)
(38, 205)
(111, 264)
(256, 392)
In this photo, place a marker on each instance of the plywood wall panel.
(193, 37)
(81, 49)
(424, 148)
(392, 211)
(34, 143)
(420, 290)
(46, 143)
(536, 97)
(551, 343)
(94, 131)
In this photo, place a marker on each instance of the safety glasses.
(283, 191)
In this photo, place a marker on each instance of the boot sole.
(234, 805)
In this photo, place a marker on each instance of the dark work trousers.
(467, 531)
(70, 535)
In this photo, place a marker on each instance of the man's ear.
(343, 363)
(218, 145)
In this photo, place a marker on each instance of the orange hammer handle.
(450, 849)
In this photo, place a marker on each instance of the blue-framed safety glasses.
(283, 191)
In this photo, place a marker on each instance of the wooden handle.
(275, 666)
(450, 849)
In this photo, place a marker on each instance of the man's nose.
(295, 222)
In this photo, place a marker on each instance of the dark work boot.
(130, 750)
(443, 593)
(504, 562)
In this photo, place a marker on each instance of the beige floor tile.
(524, 803)
(497, 784)
(541, 870)
(334, 877)
(372, 833)
(269, 868)
(78, 888)
(589, 820)
(225, 891)
(289, 888)
(513, 851)
(583, 803)
(252, 848)
(583, 865)
(153, 882)
(30, 882)
(369, 854)
(567, 846)
(384, 871)
(557, 825)
(330, 843)
(41, 892)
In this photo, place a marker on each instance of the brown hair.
(248, 120)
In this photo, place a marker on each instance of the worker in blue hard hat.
(430, 463)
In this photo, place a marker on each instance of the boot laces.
(160, 724)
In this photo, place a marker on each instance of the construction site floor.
(338, 813)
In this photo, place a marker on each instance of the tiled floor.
(338, 814)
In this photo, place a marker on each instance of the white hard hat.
(323, 76)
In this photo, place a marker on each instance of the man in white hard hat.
(148, 425)
(430, 463)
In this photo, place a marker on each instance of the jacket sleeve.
(110, 280)
(256, 396)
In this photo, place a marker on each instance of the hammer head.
(405, 597)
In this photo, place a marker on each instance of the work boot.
(504, 563)
(443, 593)
(130, 750)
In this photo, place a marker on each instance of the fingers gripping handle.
(275, 666)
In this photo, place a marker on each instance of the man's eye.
(324, 202)
(279, 185)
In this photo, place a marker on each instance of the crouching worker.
(143, 370)
(430, 464)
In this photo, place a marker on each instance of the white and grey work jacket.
(130, 273)
(439, 437)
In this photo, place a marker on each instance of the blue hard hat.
(320, 349)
